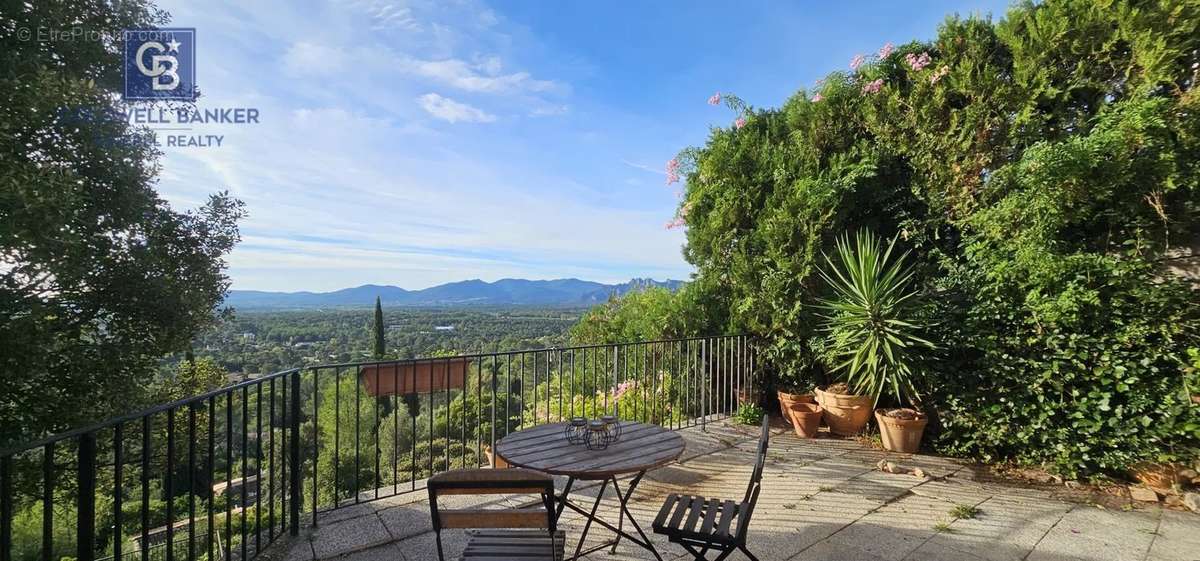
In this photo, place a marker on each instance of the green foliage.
(873, 334)
(964, 512)
(1039, 169)
(378, 328)
(647, 314)
(101, 277)
(1191, 372)
(749, 414)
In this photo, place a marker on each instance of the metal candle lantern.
(597, 437)
(612, 427)
(576, 430)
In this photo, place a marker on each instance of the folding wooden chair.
(700, 524)
(496, 539)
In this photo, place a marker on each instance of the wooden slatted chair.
(496, 536)
(700, 524)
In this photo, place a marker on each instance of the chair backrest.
(491, 482)
(755, 485)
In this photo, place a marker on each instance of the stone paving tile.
(385, 552)
(954, 490)
(935, 551)
(829, 551)
(1177, 539)
(423, 547)
(348, 536)
(406, 521)
(1004, 529)
(880, 486)
(1090, 533)
(895, 529)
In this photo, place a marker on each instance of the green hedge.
(1040, 168)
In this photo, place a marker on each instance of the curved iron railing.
(223, 474)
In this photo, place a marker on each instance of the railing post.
(704, 385)
(6, 508)
(86, 520)
(294, 458)
(616, 408)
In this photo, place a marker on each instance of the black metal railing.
(222, 475)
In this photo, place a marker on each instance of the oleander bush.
(1039, 169)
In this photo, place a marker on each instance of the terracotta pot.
(500, 463)
(1160, 477)
(901, 435)
(787, 400)
(806, 419)
(845, 414)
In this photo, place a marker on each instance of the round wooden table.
(641, 447)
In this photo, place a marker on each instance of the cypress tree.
(380, 345)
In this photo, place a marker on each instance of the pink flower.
(886, 50)
(817, 97)
(941, 73)
(857, 62)
(624, 387)
(740, 122)
(672, 171)
(873, 87)
(680, 219)
(917, 62)
(715, 99)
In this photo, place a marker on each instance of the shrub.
(1039, 168)
(749, 414)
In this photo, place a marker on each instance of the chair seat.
(697, 519)
(514, 545)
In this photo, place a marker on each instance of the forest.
(255, 343)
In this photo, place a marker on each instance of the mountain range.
(504, 292)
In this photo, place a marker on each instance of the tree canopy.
(99, 276)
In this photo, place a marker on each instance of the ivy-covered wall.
(1040, 168)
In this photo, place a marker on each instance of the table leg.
(591, 517)
(624, 500)
(562, 498)
(619, 530)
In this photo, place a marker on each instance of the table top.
(544, 448)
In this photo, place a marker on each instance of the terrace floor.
(823, 499)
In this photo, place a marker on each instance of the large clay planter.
(901, 435)
(806, 419)
(415, 376)
(845, 414)
(787, 400)
(1160, 477)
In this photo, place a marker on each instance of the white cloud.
(452, 111)
(549, 111)
(477, 78)
(391, 16)
(312, 59)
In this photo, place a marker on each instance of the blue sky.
(416, 143)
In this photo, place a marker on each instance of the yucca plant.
(873, 332)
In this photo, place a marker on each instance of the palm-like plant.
(872, 332)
